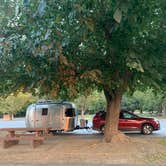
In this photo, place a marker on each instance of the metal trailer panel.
(55, 116)
(50, 119)
(69, 123)
(51, 115)
(29, 120)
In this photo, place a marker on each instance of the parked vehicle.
(128, 122)
(59, 116)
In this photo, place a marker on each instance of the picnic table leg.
(11, 133)
(9, 143)
(5, 144)
(34, 143)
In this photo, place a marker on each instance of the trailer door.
(45, 117)
(54, 117)
(41, 116)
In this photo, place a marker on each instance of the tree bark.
(112, 118)
(82, 111)
(164, 109)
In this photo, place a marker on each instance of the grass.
(162, 141)
(159, 157)
(87, 117)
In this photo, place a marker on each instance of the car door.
(128, 121)
(122, 120)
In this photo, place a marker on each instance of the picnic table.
(36, 136)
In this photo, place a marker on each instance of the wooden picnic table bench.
(36, 136)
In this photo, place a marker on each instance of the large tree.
(69, 46)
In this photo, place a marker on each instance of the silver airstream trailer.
(59, 116)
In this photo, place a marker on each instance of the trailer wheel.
(54, 132)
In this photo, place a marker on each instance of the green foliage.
(146, 101)
(63, 48)
(143, 101)
(8, 11)
(91, 103)
(130, 103)
(13, 104)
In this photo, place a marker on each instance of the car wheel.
(102, 129)
(147, 129)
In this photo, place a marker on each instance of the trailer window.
(44, 111)
(69, 112)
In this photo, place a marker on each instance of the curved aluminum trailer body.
(54, 115)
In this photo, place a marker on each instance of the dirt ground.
(87, 149)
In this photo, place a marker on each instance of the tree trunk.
(82, 112)
(164, 109)
(112, 119)
(141, 111)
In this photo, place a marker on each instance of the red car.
(128, 122)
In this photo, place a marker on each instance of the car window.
(103, 115)
(121, 115)
(128, 116)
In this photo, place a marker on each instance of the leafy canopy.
(65, 47)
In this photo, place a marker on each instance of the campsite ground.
(85, 147)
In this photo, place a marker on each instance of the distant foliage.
(145, 101)
(91, 103)
(13, 104)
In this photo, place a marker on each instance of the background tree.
(12, 104)
(91, 103)
(145, 101)
(65, 47)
